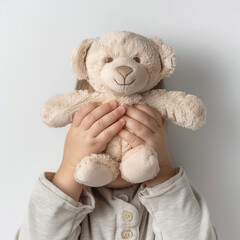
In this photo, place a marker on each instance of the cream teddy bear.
(123, 66)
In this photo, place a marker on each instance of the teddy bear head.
(123, 62)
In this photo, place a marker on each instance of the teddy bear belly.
(117, 147)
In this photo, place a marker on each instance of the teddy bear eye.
(108, 60)
(137, 59)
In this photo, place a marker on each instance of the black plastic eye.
(108, 60)
(137, 59)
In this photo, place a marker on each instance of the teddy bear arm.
(185, 110)
(58, 111)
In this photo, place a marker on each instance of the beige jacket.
(173, 210)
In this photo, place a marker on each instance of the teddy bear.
(123, 66)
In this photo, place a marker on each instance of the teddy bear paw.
(195, 112)
(96, 170)
(139, 164)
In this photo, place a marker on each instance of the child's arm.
(55, 210)
(177, 209)
(52, 214)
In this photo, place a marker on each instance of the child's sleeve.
(52, 214)
(178, 210)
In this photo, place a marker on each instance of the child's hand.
(147, 125)
(93, 127)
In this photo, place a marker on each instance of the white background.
(36, 38)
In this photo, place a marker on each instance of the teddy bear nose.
(124, 70)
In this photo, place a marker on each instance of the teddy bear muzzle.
(124, 76)
(124, 71)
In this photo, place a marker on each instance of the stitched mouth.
(124, 84)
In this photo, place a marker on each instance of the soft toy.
(123, 66)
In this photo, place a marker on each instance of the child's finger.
(151, 112)
(80, 114)
(138, 128)
(142, 117)
(130, 138)
(106, 121)
(107, 134)
(98, 113)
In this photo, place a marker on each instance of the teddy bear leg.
(139, 164)
(96, 170)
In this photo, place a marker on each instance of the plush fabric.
(124, 66)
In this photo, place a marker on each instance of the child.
(166, 207)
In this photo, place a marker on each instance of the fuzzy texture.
(133, 161)
(123, 66)
(96, 170)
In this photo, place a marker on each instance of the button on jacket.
(173, 210)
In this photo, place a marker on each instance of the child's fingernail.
(120, 109)
(121, 120)
(126, 106)
(112, 104)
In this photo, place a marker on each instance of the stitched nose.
(124, 70)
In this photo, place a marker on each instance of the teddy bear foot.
(139, 164)
(96, 170)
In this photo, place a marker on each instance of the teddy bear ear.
(167, 56)
(78, 57)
